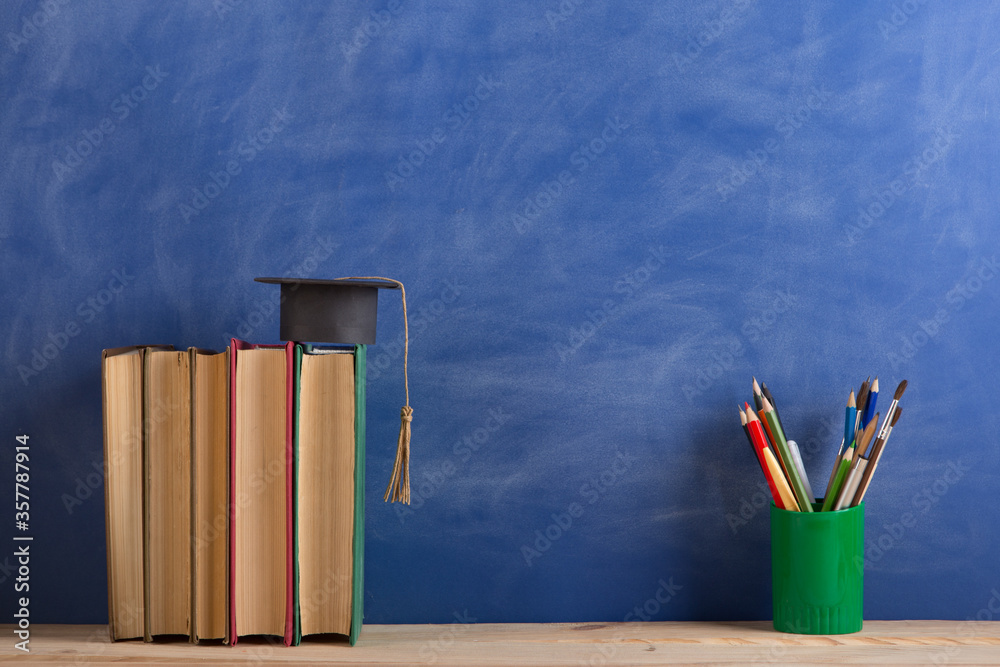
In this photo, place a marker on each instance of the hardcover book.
(167, 492)
(122, 417)
(260, 491)
(329, 489)
(209, 494)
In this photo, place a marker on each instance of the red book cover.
(289, 347)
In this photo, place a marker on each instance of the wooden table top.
(694, 643)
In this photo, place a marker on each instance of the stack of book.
(234, 490)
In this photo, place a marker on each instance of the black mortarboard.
(329, 311)
(343, 311)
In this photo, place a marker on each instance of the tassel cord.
(399, 485)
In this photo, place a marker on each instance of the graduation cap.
(343, 311)
(330, 311)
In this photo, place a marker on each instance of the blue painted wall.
(607, 215)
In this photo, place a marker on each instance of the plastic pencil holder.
(817, 572)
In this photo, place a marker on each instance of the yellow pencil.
(787, 497)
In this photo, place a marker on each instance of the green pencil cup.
(817, 575)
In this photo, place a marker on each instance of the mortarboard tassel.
(399, 486)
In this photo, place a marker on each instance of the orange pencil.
(759, 446)
(772, 442)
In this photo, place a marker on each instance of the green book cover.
(357, 597)
(297, 626)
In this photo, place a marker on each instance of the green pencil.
(787, 462)
(838, 480)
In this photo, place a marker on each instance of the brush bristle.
(899, 390)
(895, 417)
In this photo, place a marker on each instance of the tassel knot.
(399, 486)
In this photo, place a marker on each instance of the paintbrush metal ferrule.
(891, 412)
(887, 422)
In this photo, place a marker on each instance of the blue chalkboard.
(608, 216)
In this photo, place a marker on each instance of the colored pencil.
(838, 480)
(770, 399)
(746, 432)
(756, 395)
(870, 405)
(792, 445)
(767, 428)
(861, 446)
(785, 457)
(858, 456)
(787, 497)
(850, 415)
(759, 443)
(800, 466)
(846, 496)
(770, 435)
(862, 402)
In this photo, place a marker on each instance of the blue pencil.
(850, 417)
(870, 407)
(862, 398)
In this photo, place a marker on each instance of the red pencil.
(759, 441)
